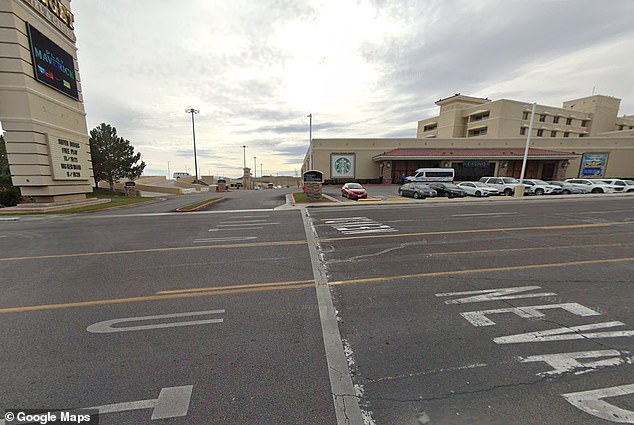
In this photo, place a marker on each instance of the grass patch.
(300, 197)
(196, 205)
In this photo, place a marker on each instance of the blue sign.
(593, 164)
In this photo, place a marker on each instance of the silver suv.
(505, 185)
(628, 185)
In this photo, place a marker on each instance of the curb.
(200, 207)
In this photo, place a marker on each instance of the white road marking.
(243, 221)
(230, 229)
(592, 403)
(172, 402)
(494, 294)
(246, 225)
(566, 334)
(107, 325)
(569, 362)
(358, 225)
(479, 318)
(483, 214)
(346, 404)
(227, 239)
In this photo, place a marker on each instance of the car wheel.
(400, 192)
(508, 191)
(630, 190)
(566, 192)
(539, 192)
(416, 195)
(597, 190)
(450, 196)
(478, 194)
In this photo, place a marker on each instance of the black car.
(416, 190)
(449, 190)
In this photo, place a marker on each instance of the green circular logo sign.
(343, 166)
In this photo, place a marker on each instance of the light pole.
(528, 143)
(194, 111)
(168, 170)
(310, 140)
(255, 167)
(244, 155)
(261, 173)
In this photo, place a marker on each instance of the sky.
(363, 68)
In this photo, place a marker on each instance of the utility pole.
(194, 111)
(310, 140)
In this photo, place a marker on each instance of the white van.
(179, 174)
(432, 175)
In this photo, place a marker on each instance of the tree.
(113, 157)
(4, 160)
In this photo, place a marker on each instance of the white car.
(595, 185)
(505, 185)
(627, 185)
(478, 189)
(540, 187)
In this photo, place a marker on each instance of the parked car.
(540, 187)
(353, 191)
(595, 185)
(416, 190)
(505, 185)
(478, 189)
(449, 190)
(628, 185)
(568, 188)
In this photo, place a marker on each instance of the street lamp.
(255, 167)
(528, 143)
(310, 140)
(194, 111)
(244, 154)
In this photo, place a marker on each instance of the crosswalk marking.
(358, 225)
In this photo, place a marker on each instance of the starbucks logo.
(343, 166)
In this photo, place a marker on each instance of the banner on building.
(593, 164)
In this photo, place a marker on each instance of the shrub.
(9, 194)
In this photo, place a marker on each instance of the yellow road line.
(252, 285)
(257, 287)
(303, 242)
(467, 231)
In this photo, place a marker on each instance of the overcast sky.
(363, 68)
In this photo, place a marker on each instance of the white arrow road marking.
(494, 294)
(106, 326)
(227, 239)
(592, 403)
(172, 402)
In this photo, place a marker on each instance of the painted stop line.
(107, 325)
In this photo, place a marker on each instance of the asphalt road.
(88, 304)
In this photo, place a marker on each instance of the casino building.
(478, 137)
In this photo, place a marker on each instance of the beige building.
(480, 137)
(41, 105)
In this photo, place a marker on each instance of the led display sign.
(52, 65)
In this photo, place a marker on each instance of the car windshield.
(540, 182)
(510, 180)
(556, 183)
(421, 186)
(354, 186)
(451, 186)
(629, 182)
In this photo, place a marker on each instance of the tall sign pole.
(193, 111)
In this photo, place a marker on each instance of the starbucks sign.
(342, 165)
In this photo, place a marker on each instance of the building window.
(540, 133)
(525, 115)
(479, 117)
(478, 132)
(522, 131)
(430, 127)
(566, 133)
(553, 133)
(584, 123)
(542, 118)
(568, 121)
(555, 119)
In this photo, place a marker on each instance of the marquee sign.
(52, 65)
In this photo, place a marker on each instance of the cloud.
(363, 68)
